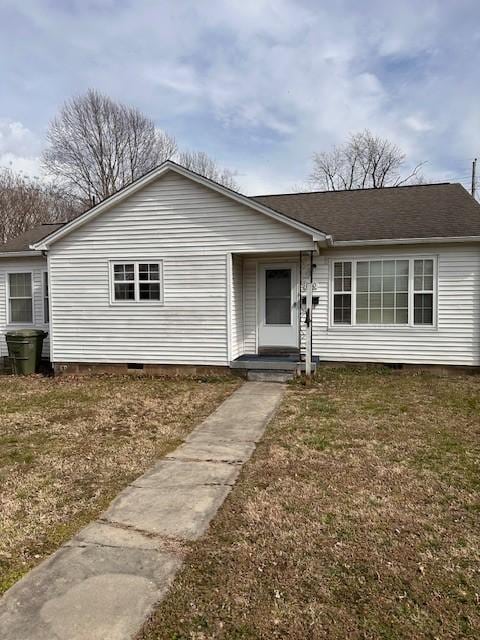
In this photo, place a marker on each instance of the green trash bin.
(25, 350)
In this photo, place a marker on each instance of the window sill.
(383, 327)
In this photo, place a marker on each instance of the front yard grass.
(69, 445)
(357, 517)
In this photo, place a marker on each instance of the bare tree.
(26, 202)
(203, 164)
(365, 161)
(96, 146)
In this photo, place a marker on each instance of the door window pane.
(278, 292)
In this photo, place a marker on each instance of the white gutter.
(388, 241)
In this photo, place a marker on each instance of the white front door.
(278, 305)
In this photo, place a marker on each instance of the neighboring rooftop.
(23, 242)
(417, 211)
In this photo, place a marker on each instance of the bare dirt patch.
(357, 517)
(68, 445)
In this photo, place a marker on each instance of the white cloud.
(19, 147)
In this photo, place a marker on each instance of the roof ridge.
(398, 186)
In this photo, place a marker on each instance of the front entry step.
(269, 375)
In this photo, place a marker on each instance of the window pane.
(21, 310)
(389, 268)
(277, 311)
(376, 268)
(123, 272)
(20, 285)
(362, 316)
(148, 272)
(401, 300)
(362, 269)
(149, 291)
(46, 311)
(338, 284)
(362, 300)
(389, 283)
(401, 267)
(401, 283)
(428, 283)
(423, 308)
(362, 284)
(376, 300)
(388, 316)
(401, 316)
(418, 283)
(388, 300)
(45, 284)
(124, 291)
(375, 283)
(338, 269)
(342, 308)
(428, 267)
(375, 316)
(347, 269)
(278, 283)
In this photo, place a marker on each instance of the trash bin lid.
(26, 333)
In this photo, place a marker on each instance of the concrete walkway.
(103, 584)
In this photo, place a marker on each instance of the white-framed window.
(20, 298)
(380, 292)
(136, 281)
(46, 308)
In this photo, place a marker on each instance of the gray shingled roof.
(23, 242)
(421, 211)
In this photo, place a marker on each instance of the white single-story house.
(175, 269)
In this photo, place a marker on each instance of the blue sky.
(258, 84)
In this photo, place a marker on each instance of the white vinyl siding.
(454, 340)
(192, 229)
(35, 266)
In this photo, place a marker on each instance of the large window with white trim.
(20, 298)
(397, 291)
(136, 281)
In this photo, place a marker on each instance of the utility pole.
(474, 178)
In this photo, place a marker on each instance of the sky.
(260, 85)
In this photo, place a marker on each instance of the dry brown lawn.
(357, 517)
(68, 445)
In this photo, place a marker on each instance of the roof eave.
(45, 243)
(20, 254)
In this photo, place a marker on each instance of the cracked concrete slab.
(81, 593)
(208, 448)
(107, 535)
(179, 473)
(106, 580)
(180, 512)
